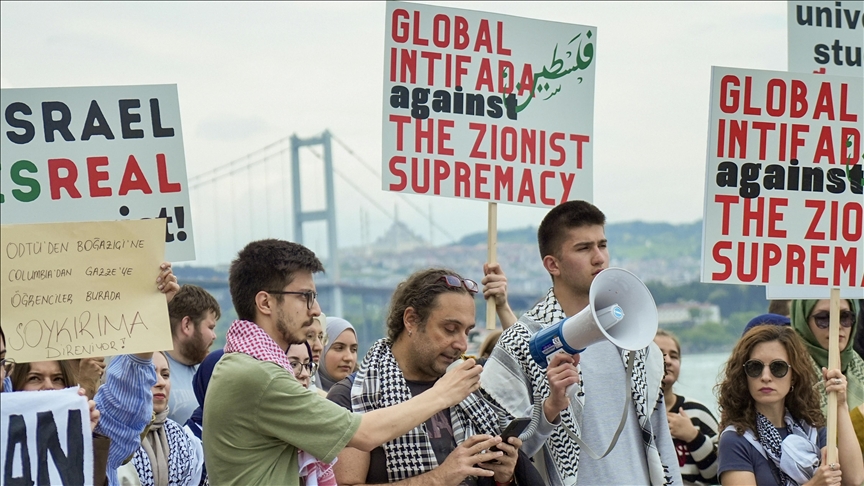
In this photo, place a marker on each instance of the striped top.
(698, 458)
(125, 404)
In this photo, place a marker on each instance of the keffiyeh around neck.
(796, 457)
(248, 338)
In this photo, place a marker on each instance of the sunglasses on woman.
(754, 368)
(822, 319)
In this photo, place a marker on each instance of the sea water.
(699, 373)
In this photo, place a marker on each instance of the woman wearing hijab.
(199, 385)
(317, 340)
(773, 428)
(340, 354)
(169, 454)
(810, 320)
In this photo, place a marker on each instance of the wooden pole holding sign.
(833, 363)
(492, 257)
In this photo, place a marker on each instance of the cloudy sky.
(250, 74)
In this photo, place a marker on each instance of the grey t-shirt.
(737, 454)
(181, 400)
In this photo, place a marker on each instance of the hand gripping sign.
(487, 107)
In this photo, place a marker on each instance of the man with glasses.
(430, 317)
(264, 423)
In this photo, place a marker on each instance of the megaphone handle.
(630, 362)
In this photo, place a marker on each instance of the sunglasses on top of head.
(453, 281)
(822, 319)
(754, 368)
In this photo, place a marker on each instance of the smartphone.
(514, 429)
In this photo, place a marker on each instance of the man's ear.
(550, 263)
(264, 303)
(410, 319)
(187, 326)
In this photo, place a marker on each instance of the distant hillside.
(634, 240)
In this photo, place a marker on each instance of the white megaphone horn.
(620, 310)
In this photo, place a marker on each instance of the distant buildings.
(687, 314)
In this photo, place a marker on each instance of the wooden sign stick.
(491, 257)
(833, 363)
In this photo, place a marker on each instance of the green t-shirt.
(257, 415)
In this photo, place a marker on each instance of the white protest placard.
(96, 154)
(487, 107)
(825, 37)
(783, 186)
(74, 290)
(46, 438)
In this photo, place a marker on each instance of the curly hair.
(266, 265)
(419, 292)
(737, 407)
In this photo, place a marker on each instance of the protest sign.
(96, 154)
(74, 290)
(487, 107)
(46, 438)
(783, 188)
(825, 37)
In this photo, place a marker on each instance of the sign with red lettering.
(783, 186)
(96, 154)
(487, 107)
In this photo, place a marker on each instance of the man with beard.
(431, 315)
(270, 429)
(193, 313)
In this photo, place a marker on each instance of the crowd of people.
(288, 401)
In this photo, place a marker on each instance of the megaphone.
(620, 310)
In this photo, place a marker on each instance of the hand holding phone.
(513, 429)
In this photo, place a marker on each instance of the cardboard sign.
(826, 37)
(96, 154)
(487, 107)
(783, 188)
(73, 290)
(46, 438)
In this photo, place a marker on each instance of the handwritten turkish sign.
(46, 438)
(73, 290)
(96, 154)
(487, 107)
(783, 188)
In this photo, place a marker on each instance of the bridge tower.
(328, 214)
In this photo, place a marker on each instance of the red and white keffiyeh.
(248, 338)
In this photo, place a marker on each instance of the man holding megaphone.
(607, 323)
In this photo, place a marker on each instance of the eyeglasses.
(309, 294)
(453, 281)
(311, 367)
(7, 365)
(754, 368)
(822, 319)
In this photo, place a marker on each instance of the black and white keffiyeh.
(180, 457)
(513, 351)
(380, 383)
(794, 459)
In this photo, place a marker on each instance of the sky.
(249, 74)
